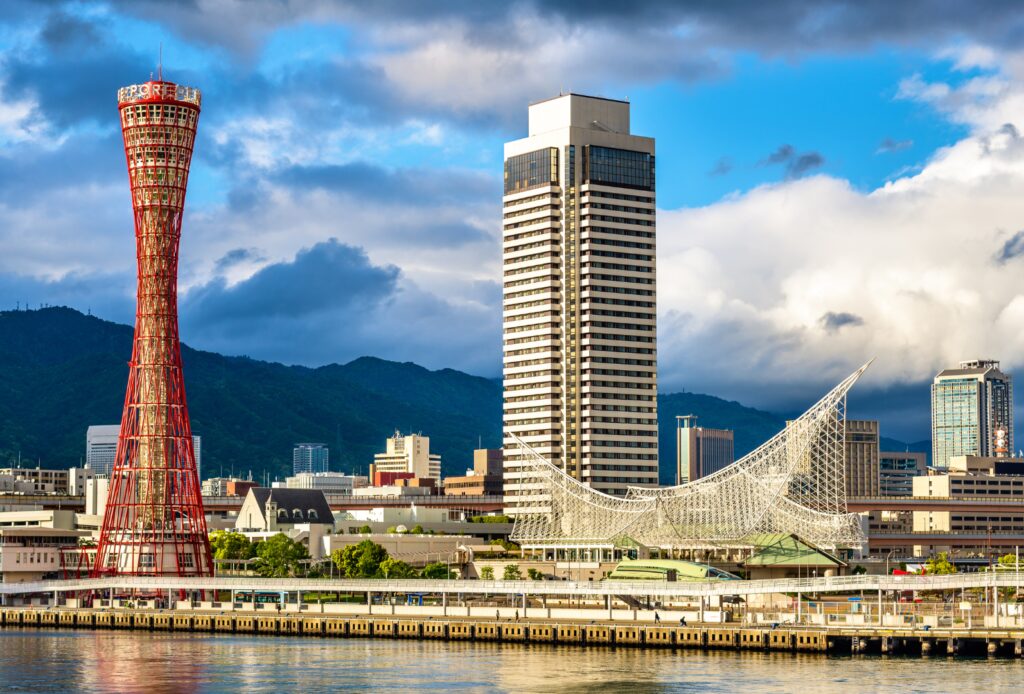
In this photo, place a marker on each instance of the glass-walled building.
(309, 457)
(579, 328)
(972, 412)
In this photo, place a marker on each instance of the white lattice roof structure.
(793, 483)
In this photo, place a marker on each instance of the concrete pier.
(994, 642)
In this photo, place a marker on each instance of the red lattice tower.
(154, 522)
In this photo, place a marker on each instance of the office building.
(101, 449)
(896, 472)
(326, 482)
(862, 470)
(77, 477)
(485, 477)
(972, 412)
(227, 486)
(309, 457)
(408, 454)
(979, 531)
(38, 480)
(700, 451)
(579, 316)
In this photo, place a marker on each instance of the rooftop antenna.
(160, 64)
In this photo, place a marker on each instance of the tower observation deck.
(154, 522)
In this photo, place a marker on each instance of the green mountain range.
(64, 371)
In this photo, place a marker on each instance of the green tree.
(490, 519)
(228, 544)
(534, 575)
(396, 568)
(939, 565)
(436, 570)
(1009, 560)
(487, 573)
(280, 557)
(366, 530)
(512, 573)
(417, 529)
(361, 560)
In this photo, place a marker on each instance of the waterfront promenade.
(593, 633)
(851, 614)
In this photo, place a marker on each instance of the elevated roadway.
(819, 585)
(917, 503)
(344, 502)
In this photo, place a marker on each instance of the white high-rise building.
(101, 449)
(409, 454)
(580, 351)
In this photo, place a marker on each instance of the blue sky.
(837, 181)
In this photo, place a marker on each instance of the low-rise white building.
(326, 482)
(33, 553)
(417, 550)
(278, 510)
(43, 481)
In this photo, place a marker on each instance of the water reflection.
(159, 662)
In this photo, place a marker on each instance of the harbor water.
(87, 661)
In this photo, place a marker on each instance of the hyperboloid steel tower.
(154, 522)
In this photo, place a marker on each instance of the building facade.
(409, 454)
(227, 486)
(101, 449)
(327, 482)
(579, 318)
(967, 531)
(896, 472)
(700, 451)
(38, 480)
(310, 457)
(862, 459)
(485, 478)
(972, 412)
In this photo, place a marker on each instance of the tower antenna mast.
(160, 64)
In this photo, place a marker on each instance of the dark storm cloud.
(328, 276)
(331, 304)
(106, 295)
(785, 26)
(833, 321)
(721, 167)
(903, 410)
(236, 256)
(1011, 130)
(797, 163)
(1012, 248)
(889, 145)
(28, 173)
(783, 154)
(803, 163)
(77, 75)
